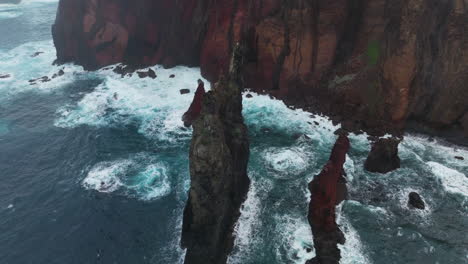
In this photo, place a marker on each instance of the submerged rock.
(149, 73)
(172, 76)
(184, 91)
(219, 155)
(415, 201)
(42, 79)
(123, 70)
(383, 156)
(327, 190)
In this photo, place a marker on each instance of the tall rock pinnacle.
(218, 170)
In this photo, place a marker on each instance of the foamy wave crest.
(352, 252)
(141, 176)
(105, 176)
(156, 106)
(21, 67)
(245, 228)
(9, 11)
(452, 180)
(287, 161)
(294, 239)
(435, 149)
(262, 112)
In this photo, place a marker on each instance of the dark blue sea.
(94, 169)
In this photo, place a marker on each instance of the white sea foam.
(105, 176)
(437, 150)
(22, 68)
(423, 216)
(155, 105)
(349, 169)
(353, 251)
(452, 180)
(261, 111)
(289, 161)
(294, 237)
(140, 176)
(249, 223)
(152, 182)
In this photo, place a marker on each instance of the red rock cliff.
(378, 62)
(327, 190)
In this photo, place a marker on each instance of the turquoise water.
(86, 178)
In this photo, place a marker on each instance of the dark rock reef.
(415, 201)
(327, 190)
(366, 62)
(219, 154)
(383, 156)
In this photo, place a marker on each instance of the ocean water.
(94, 169)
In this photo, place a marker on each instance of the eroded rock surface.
(219, 155)
(365, 61)
(327, 190)
(383, 156)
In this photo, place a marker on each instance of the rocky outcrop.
(327, 190)
(415, 201)
(364, 61)
(196, 106)
(219, 155)
(383, 156)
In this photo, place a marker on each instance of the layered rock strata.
(373, 64)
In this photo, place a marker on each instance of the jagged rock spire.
(219, 154)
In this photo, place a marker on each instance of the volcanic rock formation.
(379, 62)
(219, 154)
(327, 190)
(195, 108)
(415, 201)
(383, 156)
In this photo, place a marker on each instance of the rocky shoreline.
(368, 64)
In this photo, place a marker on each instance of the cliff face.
(327, 190)
(378, 63)
(95, 33)
(218, 170)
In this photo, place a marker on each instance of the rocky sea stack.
(218, 170)
(327, 190)
(383, 156)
